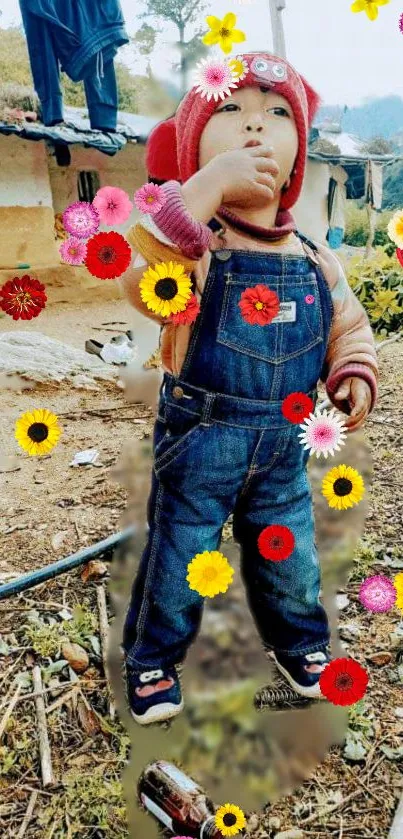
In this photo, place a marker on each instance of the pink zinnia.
(377, 593)
(73, 251)
(81, 219)
(149, 198)
(189, 314)
(113, 205)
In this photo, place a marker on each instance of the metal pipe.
(41, 575)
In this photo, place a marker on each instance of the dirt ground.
(50, 510)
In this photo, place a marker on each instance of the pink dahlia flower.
(73, 251)
(378, 594)
(323, 433)
(81, 219)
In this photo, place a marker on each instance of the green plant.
(357, 226)
(378, 284)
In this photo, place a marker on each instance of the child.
(222, 443)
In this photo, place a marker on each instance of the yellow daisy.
(368, 6)
(209, 573)
(395, 229)
(238, 66)
(343, 487)
(399, 600)
(166, 288)
(37, 431)
(222, 32)
(229, 820)
(398, 582)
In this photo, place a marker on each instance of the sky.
(345, 56)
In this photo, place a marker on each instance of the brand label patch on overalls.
(287, 313)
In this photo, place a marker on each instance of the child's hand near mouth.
(358, 395)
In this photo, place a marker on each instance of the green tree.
(181, 13)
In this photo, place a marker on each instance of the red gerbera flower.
(343, 681)
(276, 542)
(23, 297)
(259, 305)
(399, 251)
(189, 314)
(108, 255)
(296, 407)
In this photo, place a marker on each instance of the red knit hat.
(182, 157)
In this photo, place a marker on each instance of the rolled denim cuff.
(192, 237)
(360, 371)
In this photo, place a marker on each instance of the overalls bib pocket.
(297, 330)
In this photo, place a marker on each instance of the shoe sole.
(160, 713)
(313, 692)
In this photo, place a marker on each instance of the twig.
(330, 808)
(9, 710)
(389, 341)
(62, 686)
(44, 747)
(103, 632)
(28, 814)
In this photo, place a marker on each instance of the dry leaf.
(93, 570)
(380, 659)
(88, 719)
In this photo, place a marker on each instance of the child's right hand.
(247, 177)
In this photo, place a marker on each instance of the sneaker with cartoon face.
(154, 695)
(303, 671)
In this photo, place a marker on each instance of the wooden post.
(372, 222)
(276, 7)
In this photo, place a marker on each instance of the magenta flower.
(81, 219)
(149, 198)
(377, 593)
(401, 23)
(309, 299)
(113, 205)
(73, 251)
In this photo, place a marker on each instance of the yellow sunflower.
(222, 32)
(398, 584)
(37, 431)
(369, 6)
(229, 820)
(209, 573)
(166, 288)
(343, 487)
(399, 600)
(395, 229)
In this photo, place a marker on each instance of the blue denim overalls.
(222, 446)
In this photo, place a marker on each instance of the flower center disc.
(342, 486)
(344, 681)
(166, 288)
(107, 254)
(38, 432)
(224, 33)
(210, 574)
(229, 819)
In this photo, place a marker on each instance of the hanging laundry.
(81, 38)
(337, 206)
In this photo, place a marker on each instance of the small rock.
(76, 656)
(342, 601)
(380, 659)
(274, 823)
(291, 834)
(94, 569)
(58, 539)
(253, 823)
(399, 714)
